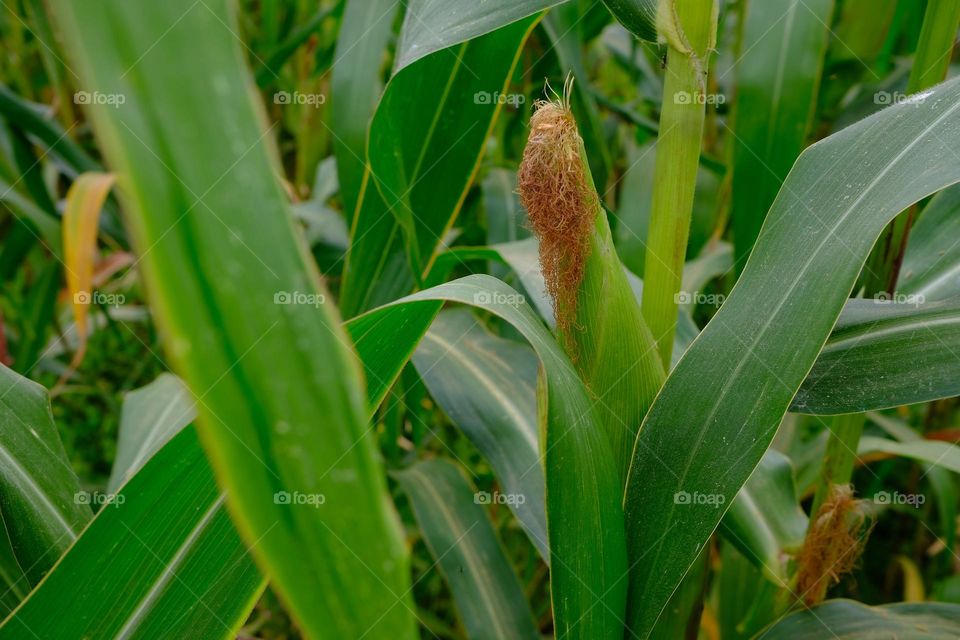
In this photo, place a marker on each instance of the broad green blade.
(246, 321)
(41, 506)
(487, 386)
(765, 521)
(778, 78)
(638, 16)
(151, 416)
(941, 454)
(931, 265)
(355, 86)
(426, 141)
(160, 560)
(584, 520)
(885, 354)
(432, 25)
(460, 537)
(707, 431)
(846, 620)
(383, 358)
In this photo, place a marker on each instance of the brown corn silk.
(561, 202)
(832, 546)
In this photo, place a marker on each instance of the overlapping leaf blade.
(765, 338)
(884, 354)
(161, 560)
(39, 506)
(432, 25)
(778, 77)
(426, 140)
(487, 386)
(584, 521)
(282, 403)
(151, 416)
(459, 534)
(931, 265)
(846, 619)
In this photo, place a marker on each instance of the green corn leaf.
(355, 86)
(231, 287)
(638, 16)
(931, 265)
(426, 140)
(846, 619)
(766, 337)
(778, 77)
(432, 25)
(487, 386)
(382, 357)
(765, 521)
(584, 527)
(40, 507)
(885, 354)
(151, 416)
(160, 560)
(459, 535)
(746, 601)
(941, 454)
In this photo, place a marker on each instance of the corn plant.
(505, 319)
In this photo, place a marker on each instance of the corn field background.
(479, 319)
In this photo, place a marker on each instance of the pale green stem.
(690, 29)
(840, 455)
